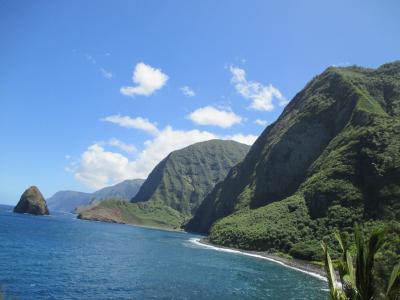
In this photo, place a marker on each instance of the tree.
(356, 275)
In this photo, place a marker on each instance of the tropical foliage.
(356, 275)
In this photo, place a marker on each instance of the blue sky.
(67, 122)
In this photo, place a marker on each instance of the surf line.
(197, 242)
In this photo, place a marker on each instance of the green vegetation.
(246, 228)
(185, 176)
(331, 159)
(146, 214)
(357, 278)
(175, 188)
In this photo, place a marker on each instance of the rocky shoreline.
(298, 264)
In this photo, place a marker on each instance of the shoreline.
(295, 264)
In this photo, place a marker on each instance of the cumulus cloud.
(210, 115)
(147, 80)
(261, 96)
(241, 138)
(261, 122)
(98, 167)
(187, 91)
(106, 74)
(129, 148)
(128, 122)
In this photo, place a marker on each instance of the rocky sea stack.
(32, 202)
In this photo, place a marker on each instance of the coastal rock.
(32, 202)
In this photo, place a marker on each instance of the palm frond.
(393, 288)
(334, 291)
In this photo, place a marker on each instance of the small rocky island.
(32, 202)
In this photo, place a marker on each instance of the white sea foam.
(196, 241)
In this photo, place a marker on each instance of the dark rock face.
(32, 202)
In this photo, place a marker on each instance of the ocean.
(61, 257)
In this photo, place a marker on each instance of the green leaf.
(393, 288)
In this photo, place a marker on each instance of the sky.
(95, 92)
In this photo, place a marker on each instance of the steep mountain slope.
(332, 159)
(332, 143)
(184, 177)
(175, 187)
(69, 201)
(124, 190)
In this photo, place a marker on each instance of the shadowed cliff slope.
(184, 177)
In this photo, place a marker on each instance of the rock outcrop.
(32, 202)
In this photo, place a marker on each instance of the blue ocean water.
(60, 257)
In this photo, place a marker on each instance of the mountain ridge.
(197, 169)
(254, 178)
(69, 201)
(332, 159)
(175, 187)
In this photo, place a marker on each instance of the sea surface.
(61, 257)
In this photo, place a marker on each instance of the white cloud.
(210, 115)
(241, 138)
(99, 168)
(129, 148)
(261, 122)
(128, 122)
(106, 74)
(261, 96)
(187, 91)
(147, 80)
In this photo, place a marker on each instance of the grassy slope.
(356, 178)
(146, 214)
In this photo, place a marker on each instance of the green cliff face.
(176, 186)
(330, 160)
(184, 177)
